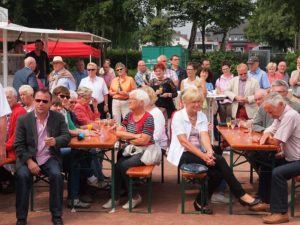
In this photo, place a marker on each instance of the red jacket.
(17, 111)
(84, 114)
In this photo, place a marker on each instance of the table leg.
(113, 177)
(230, 194)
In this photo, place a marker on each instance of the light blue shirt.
(261, 76)
(66, 82)
(79, 75)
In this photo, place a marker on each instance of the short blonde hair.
(271, 65)
(84, 91)
(94, 65)
(27, 89)
(192, 94)
(151, 93)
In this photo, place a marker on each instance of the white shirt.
(159, 134)
(182, 125)
(4, 106)
(97, 85)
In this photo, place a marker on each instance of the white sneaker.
(108, 204)
(135, 202)
(219, 198)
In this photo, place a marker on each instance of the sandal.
(203, 209)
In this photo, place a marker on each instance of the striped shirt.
(145, 125)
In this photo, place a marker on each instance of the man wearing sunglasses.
(39, 136)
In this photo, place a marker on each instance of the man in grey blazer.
(39, 136)
(240, 91)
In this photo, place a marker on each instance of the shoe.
(108, 204)
(135, 202)
(205, 210)
(276, 218)
(260, 207)
(219, 198)
(57, 221)
(86, 198)
(99, 184)
(21, 222)
(255, 202)
(78, 204)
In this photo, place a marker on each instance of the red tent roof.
(68, 49)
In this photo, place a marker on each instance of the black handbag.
(193, 168)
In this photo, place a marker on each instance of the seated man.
(285, 135)
(39, 136)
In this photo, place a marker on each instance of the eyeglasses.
(119, 69)
(41, 100)
(91, 69)
(242, 74)
(72, 102)
(64, 96)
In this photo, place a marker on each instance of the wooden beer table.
(105, 142)
(240, 142)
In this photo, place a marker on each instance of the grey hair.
(73, 94)
(28, 61)
(11, 90)
(273, 99)
(141, 96)
(84, 91)
(280, 83)
(27, 89)
(120, 65)
(159, 58)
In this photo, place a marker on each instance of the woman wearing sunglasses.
(120, 88)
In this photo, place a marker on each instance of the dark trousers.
(216, 173)
(279, 188)
(52, 169)
(121, 167)
(224, 111)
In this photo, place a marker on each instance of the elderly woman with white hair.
(191, 144)
(137, 130)
(26, 95)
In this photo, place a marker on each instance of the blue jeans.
(52, 169)
(279, 188)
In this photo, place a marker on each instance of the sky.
(185, 30)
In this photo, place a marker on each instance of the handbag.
(193, 168)
(152, 155)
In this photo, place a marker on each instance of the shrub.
(129, 58)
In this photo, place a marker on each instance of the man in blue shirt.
(80, 72)
(142, 76)
(257, 73)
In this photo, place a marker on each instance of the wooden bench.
(294, 186)
(141, 172)
(193, 178)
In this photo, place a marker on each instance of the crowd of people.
(44, 109)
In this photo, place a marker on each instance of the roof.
(15, 32)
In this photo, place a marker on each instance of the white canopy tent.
(9, 32)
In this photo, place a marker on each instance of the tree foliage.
(275, 23)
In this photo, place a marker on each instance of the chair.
(192, 178)
(294, 186)
(141, 172)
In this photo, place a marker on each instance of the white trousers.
(119, 109)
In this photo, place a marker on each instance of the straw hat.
(57, 59)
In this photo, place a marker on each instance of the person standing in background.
(180, 72)
(42, 61)
(80, 72)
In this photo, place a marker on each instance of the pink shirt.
(277, 76)
(223, 83)
(43, 153)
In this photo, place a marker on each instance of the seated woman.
(26, 96)
(159, 135)
(138, 127)
(191, 144)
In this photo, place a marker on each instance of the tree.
(272, 24)
(229, 14)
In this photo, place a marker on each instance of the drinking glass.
(89, 127)
(233, 124)
(228, 122)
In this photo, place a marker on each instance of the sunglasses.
(64, 96)
(72, 102)
(119, 69)
(41, 100)
(91, 69)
